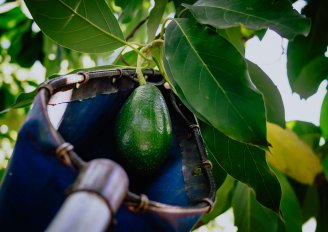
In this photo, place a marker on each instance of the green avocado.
(144, 130)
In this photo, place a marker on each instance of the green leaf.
(324, 117)
(128, 58)
(289, 205)
(238, 36)
(245, 163)
(2, 173)
(306, 131)
(303, 50)
(25, 55)
(134, 12)
(23, 100)
(130, 10)
(178, 4)
(275, 111)
(260, 33)
(250, 215)
(324, 163)
(214, 81)
(257, 14)
(25, 44)
(177, 90)
(310, 204)
(235, 37)
(223, 200)
(311, 76)
(155, 18)
(85, 26)
(322, 225)
(218, 172)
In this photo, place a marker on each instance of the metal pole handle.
(96, 195)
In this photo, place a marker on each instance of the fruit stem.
(138, 52)
(140, 76)
(159, 43)
(159, 62)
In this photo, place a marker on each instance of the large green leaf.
(23, 100)
(250, 215)
(85, 26)
(223, 199)
(238, 36)
(311, 76)
(275, 111)
(306, 131)
(303, 50)
(310, 203)
(7, 97)
(218, 172)
(324, 117)
(155, 18)
(324, 129)
(324, 162)
(22, 54)
(245, 163)
(235, 36)
(178, 90)
(133, 13)
(256, 14)
(322, 225)
(212, 77)
(129, 58)
(178, 4)
(290, 206)
(17, 28)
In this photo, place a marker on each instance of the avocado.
(143, 130)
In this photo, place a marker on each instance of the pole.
(96, 195)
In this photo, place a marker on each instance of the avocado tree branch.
(134, 30)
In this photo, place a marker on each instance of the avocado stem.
(159, 43)
(140, 76)
(159, 62)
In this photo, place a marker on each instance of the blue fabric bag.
(37, 181)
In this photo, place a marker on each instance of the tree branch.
(136, 28)
(123, 60)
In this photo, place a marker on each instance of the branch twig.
(122, 59)
(132, 33)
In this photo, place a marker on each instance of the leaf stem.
(138, 44)
(163, 27)
(159, 43)
(182, 12)
(136, 50)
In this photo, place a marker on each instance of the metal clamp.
(63, 153)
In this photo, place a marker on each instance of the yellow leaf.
(291, 155)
